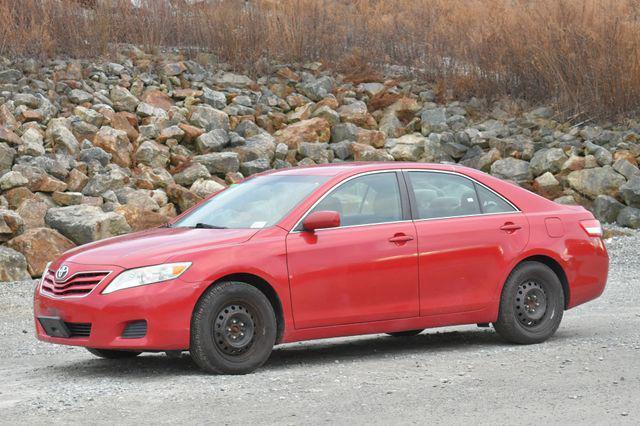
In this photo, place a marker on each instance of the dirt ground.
(588, 373)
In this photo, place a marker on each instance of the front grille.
(78, 284)
(135, 330)
(78, 329)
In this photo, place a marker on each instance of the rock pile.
(90, 150)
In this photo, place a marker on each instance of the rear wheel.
(531, 305)
(233, 329)
(407, 333)
(113, 354)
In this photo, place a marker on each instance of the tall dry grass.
(582, 55)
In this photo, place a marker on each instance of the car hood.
(153, 246)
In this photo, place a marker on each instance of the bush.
(583, 55)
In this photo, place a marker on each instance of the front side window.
(255, 203)
(368, 199)
(440, 195)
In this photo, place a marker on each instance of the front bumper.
(166, 307)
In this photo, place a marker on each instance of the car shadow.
(284, 356)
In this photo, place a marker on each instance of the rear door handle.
(510, 227)
(400, 238)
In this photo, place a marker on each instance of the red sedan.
(328, 251)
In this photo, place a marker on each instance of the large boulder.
(140, 219)
(629, 217)
(209, 118)
(115, 142)
(123, 100)
(511, 169)
(596, 181)
(182, 197)
(606, 208)
(630, 191)
(407, 147)
(219, 163)
(83, 224)
(11, 224)
(13, 265)
(311, 130)
(547, 160)
(39, 246)
(190, 174)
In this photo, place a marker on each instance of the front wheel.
(531, 305)
(113, 354)
(233, 329)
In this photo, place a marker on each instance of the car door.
(467, 237)
(364, 270)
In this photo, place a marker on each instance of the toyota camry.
(327, 251)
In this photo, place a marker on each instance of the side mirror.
(321, 220)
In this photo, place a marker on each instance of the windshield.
(255, 203)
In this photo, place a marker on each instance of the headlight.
(146, 275)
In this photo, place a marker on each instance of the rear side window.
(441, 195)
(368, 199)
(492, 203)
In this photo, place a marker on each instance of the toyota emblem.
(62, 272)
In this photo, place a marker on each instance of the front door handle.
(510, 227)
(400, 238)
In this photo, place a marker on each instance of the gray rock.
(10, 76)
(7, 155)
(123, 100)
(318, 152)
(139, 198)
(629, 217)
(213, 141)
(328, 114)
(281, 151)
(596, 181)
(434, 151)
(248, 128)
(547, 160)
(262, 146)
(11, 225)
(152, 154)
(209, 118)
(88, 115)
(102, 182)
(12, 180)
(342, 150)
(630, 192)
(205, 187)
(454, 149)
(214, 98)
(13, 265)
(64, 141)
(83, 224)
(147, 110)
(511, 169)
(219, 163)
(192, 173)
(78, 96)
(26, 99)
(96, 154)
(318, 89)
(625, 168)
(249, 168)
(407, 148)
(606, 208)
(149, 131)
(344, 132)
(433, 120)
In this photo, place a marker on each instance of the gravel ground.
(588, 373)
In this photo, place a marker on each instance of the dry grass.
(582, 55)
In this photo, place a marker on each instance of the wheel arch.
(265, 288)
(557, 269)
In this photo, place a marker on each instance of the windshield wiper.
(207, 226)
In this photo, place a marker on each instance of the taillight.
(592, 227)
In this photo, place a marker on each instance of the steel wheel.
(234, 329)
(531, 303)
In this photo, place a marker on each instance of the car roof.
(337, 169)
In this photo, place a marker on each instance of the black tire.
(531, 305)
(221, 346)
(407, 333)
(113, 354)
